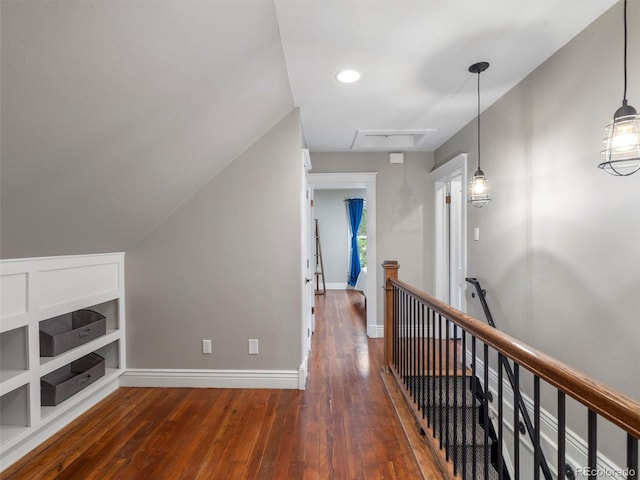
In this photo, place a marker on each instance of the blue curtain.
(355, 216)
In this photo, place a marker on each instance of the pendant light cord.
(479, 120)
(624, 97)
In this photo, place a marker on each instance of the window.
(362, 237)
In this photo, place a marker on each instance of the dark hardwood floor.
(341, 427)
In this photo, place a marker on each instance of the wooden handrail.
(616, 407)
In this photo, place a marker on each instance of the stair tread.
(458, 392)
(457, 396)
(458, 438)
(492, 473)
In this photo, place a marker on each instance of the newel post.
(390, 273)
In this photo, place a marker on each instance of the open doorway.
(331, 209)
(343, 186)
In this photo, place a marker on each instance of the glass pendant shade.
(622, 152)
(479, 190)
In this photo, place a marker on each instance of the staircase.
(457, 418)
(425, 349)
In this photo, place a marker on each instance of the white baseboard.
(375, 331)
(136, 377)
(337, 286)
(576, 446)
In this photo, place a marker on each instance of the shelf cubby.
(14, 358)
(14, 413)
(34, 290)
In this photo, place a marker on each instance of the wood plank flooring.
(341, 427)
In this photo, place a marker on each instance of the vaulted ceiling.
(114, 113)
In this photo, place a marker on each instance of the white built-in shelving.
(37, 289)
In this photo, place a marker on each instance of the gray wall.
(330, 209)
(225, 266)
(404, 210)
(559, 252)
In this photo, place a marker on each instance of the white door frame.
(442, 176)
(366, 180)
(308, 298)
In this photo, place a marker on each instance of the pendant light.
(622, 155)
(479, 188)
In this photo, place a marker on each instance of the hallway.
(341, 427)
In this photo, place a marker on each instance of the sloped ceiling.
(115, 112)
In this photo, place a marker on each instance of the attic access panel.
(387, 140)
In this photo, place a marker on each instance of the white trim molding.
(375, 331)
(303, 371)
(443, 226)
(282, 379)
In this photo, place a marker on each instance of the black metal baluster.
(407, 336)
(536, 428)
(416, 350)
(592, 435)
(423, 372)
(400, 324)
(396, 329)
(455, 395)
(446, 376)
(401, 333)
(399, 349)
(632, 457)
(405, 345)
(486, 410)
(464, 404)
(427, 372)
(393, 325)
(474, 393)
(501, 359)
(440, 379)
(412, 343)
(562, 420)
(433, 377)
(516, 421)
(418, 373)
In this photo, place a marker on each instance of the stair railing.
(526, 419)
(426, 342)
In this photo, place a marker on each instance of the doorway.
(366, 181)
(451, 231)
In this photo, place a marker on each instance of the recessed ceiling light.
(348, 76)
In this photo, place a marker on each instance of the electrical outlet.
(206, 347)
(253, 346)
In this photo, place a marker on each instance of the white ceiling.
(414, 56)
